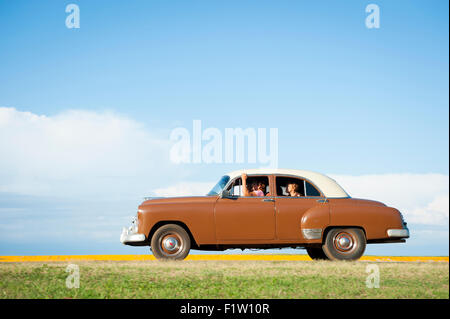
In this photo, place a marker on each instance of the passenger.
(250, 190)
(256, 190)
(293, 189)
(262, 188)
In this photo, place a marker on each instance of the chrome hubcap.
(171, 243)
(344, 242)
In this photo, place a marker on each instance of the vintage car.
(296, 208)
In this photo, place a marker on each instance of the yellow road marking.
(285, 257)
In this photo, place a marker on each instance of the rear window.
(311, 190)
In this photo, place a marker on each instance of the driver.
(252, 189)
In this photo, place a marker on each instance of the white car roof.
(329, 187)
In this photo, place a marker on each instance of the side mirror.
(225, 194)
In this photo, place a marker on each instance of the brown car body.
(221, 221)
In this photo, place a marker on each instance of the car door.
(289, 210)
(240, 219)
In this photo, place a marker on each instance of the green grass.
(224, 279)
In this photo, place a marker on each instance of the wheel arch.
(330, 227)
(176, 222)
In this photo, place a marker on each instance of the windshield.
(217, 189)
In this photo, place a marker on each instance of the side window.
(257, 185)
(311, 190)
(290, 186)
(235, 188)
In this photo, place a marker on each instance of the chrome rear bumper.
(398, 233)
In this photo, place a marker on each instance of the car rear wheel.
(170, 242)
(316, 253)
(344, 244)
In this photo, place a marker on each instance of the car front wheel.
(170, 242)
(344, 244)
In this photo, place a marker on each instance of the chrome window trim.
(322, 196)
(304, 185)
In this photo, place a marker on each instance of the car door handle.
(268, 200)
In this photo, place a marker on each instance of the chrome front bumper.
(130, 236)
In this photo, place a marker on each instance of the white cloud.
(76, 152)
(435, 213)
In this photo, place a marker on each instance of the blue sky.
(347, 101)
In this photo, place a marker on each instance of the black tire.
(344, 244)
(316, 253)
(170, 242)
